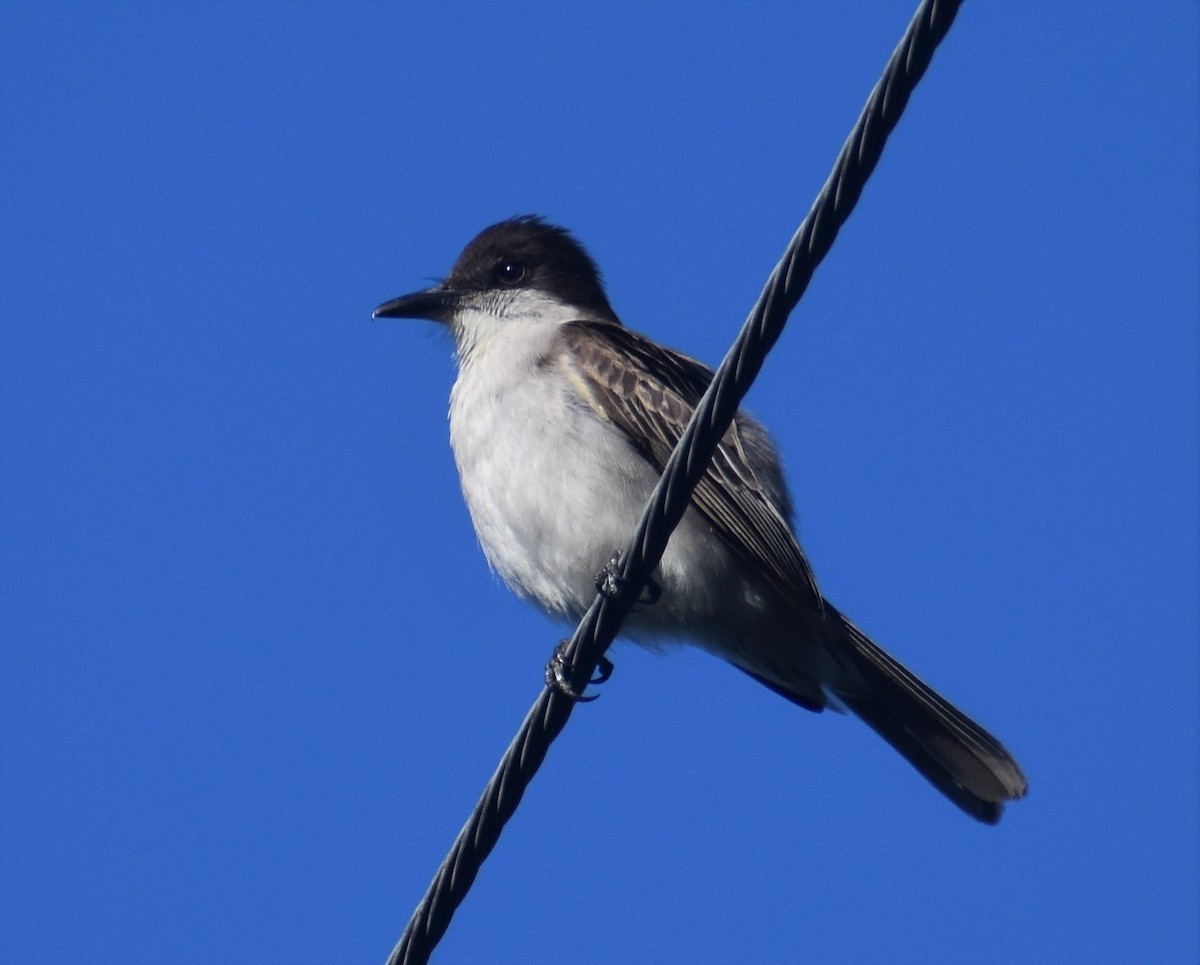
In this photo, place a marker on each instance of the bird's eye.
(509, 272)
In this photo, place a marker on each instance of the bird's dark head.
(524, 256)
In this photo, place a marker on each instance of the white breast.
(554, 490)
(551, 489)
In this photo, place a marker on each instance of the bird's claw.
(608, 580)
(651, 593)
(556, 675)
(610, 583)
(604, 670)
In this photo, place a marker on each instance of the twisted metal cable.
(683, 471)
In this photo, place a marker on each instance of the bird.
(561, 422)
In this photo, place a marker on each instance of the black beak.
(435, 304)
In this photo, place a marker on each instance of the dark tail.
(956, 755)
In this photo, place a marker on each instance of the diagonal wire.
(687, 464)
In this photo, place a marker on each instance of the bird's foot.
(556, 674)
(608, 580)
(610, 583)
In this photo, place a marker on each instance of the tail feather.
(956, 755)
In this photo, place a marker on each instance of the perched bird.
(561, 421)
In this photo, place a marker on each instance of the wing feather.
(650, 392)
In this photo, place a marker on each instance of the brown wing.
(649, 392)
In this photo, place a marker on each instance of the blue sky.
(253, 669)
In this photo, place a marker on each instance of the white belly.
(554, 492)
